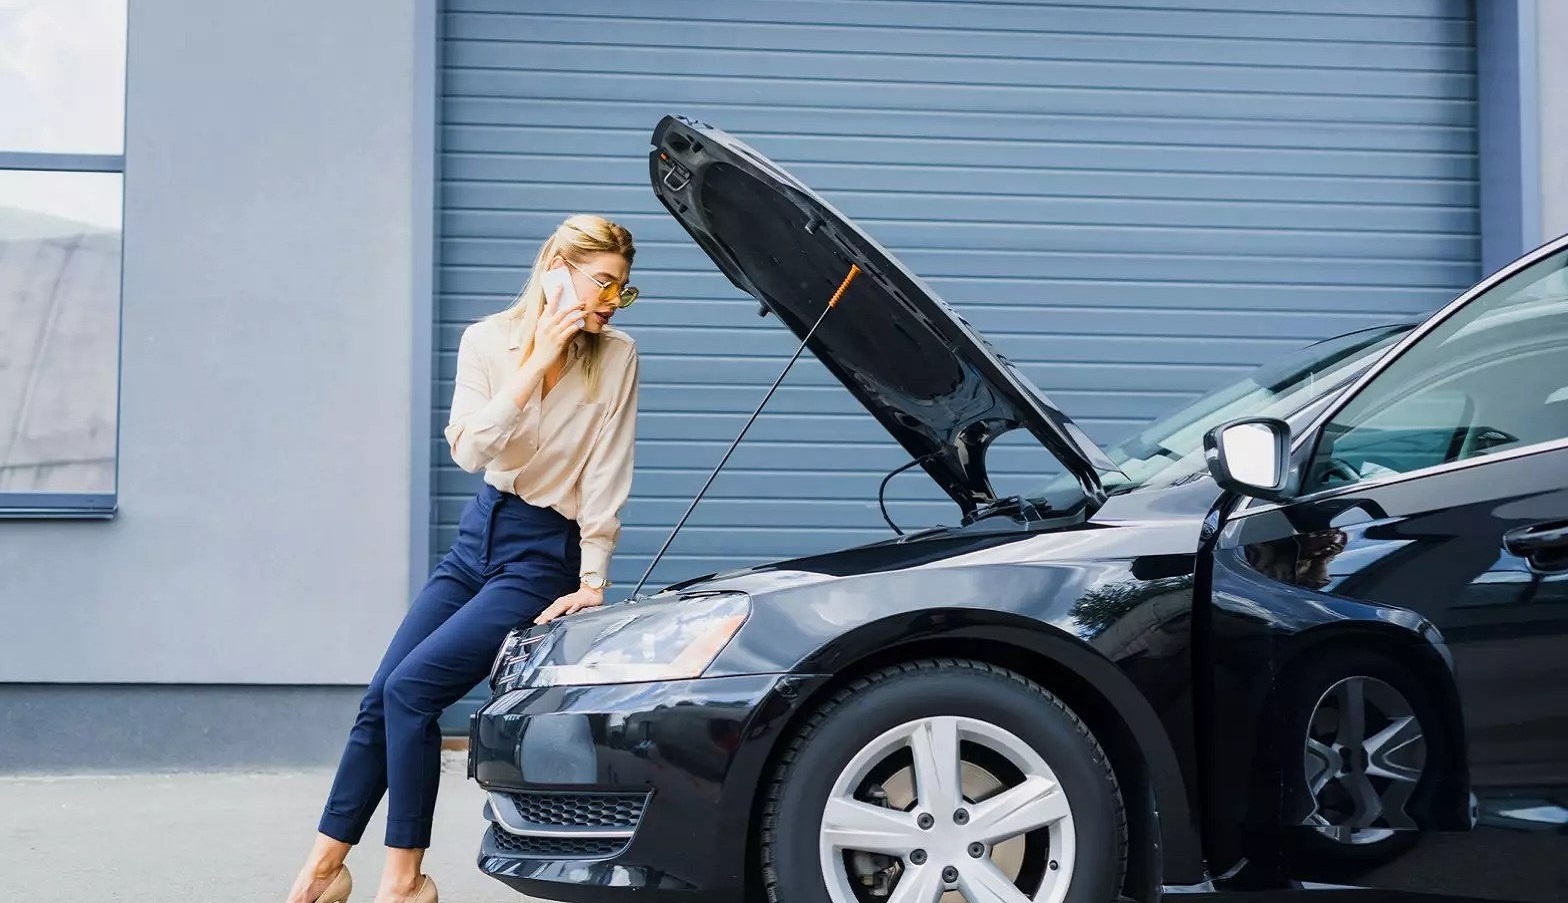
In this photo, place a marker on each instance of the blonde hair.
(575, 239)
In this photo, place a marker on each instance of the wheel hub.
(948, 809)
(953, 844)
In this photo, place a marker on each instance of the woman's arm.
(482, 421)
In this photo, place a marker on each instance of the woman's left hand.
(571, 603)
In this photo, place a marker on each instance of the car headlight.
(675, 640)
(513, 655)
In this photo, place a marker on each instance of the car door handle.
(1536, 539)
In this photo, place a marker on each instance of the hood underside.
(931, 380)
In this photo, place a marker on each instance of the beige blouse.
(561, 450)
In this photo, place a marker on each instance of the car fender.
(1089, 683)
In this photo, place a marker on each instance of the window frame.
(1304, 444)
(76, 505)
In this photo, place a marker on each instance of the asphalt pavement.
(209, 837)
(239, 837)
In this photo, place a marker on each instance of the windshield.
(1170, 451)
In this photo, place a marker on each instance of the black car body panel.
(935, 384)
(1108, 603)
(1419, 571)
(1092, 614)
(698, 746)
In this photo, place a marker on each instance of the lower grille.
(585, 810)
(555, 847)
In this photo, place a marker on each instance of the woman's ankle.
(327, 856)
(320, 870)
(403, 871)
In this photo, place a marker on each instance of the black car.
(1310, 628)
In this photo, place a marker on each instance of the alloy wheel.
(947, 809)
(1365, 752)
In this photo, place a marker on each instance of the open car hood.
(932, 381)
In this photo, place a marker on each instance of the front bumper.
(642, 790)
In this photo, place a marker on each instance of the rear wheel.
(1361, 723)
(944, 780)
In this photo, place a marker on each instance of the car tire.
(1317, 853)
(1009, 735)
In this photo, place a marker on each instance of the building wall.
(267, 399)
(275, 405)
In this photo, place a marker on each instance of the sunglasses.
(623, 294)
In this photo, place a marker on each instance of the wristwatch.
(593, 580)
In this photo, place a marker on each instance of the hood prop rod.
(854, 270)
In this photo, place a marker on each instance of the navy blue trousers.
(509, 562)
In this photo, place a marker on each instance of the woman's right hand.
(555, 327)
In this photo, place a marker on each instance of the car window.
(1493, 376)
(1169, 451)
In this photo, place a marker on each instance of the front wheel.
(944, 780)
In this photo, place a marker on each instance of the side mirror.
(1250, 456)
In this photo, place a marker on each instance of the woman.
(545, 404)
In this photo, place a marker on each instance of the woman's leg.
(362, 776)
(362, 772)
(437, 673)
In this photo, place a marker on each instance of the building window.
(62, 93)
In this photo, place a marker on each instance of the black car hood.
(932, 381)
(1149, 528)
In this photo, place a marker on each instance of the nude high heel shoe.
(338, 888)
(427, 892)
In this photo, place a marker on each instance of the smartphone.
(568, 297)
